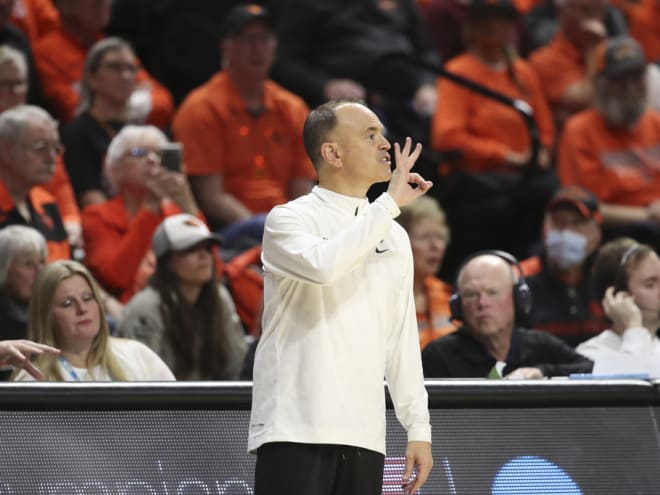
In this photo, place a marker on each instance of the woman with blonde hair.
(426, 225)
(65, 312)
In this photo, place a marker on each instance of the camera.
(171, 156)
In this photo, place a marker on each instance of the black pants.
(317, 469)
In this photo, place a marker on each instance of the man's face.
(34, 152)
(361, 145)
(486, 289)
(568, 218)
(251, 51)
(622, 100)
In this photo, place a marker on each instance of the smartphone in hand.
(171, 155)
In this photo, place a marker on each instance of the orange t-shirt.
(35, 17)
(435, 322)
(257, 156)
(60, 59)
(559, 65)
(644, 25)
(484, 129)
(618, 166)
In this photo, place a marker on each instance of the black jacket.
(459, 355)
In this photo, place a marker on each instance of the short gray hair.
(15, 239)
(14, 120)
(92, 63)
(9, 54)
(119, 146)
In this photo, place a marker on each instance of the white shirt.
(636, 351)
(339, 316)
(138, 362)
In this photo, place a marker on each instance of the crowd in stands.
(534, 253)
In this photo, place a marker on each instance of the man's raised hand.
(406, 186)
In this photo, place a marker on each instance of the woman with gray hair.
(118, 231)
(108, 95)
(23, 253)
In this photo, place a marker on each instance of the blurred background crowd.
(143, 142)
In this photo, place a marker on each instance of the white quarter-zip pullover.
(339, 317)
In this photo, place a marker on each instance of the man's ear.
(331, 154)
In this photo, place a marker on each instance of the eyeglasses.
(141, 152)
(119, 67)
(42, 145)
(13, 84)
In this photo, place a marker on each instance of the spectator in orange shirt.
(29, 145)
(427, 228)
(109, 79)
(242, 133)
(613, 148)
(562, 64)
(118, 232)
(35, 17)
(60, 57)
(13, 92)
(499, 195)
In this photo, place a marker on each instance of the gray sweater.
(141, 320)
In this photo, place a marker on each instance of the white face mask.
(565, 248)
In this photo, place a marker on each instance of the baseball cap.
(619, 55)
(484, 9)
(179, 232)
(240, 15)
(578, 198)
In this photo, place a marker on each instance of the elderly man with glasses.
(29, 146)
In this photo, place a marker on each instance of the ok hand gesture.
(402, 184)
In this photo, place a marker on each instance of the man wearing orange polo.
(242, 133)
(29, 145)
(612, 149)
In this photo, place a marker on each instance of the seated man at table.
(492, 302)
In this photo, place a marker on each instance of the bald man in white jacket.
(339, 316)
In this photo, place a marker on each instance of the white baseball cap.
(179, 232)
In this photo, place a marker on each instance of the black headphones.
(522, 294)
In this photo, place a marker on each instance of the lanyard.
(67, 366)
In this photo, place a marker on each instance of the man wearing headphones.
(627, 274)
(491, 302)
